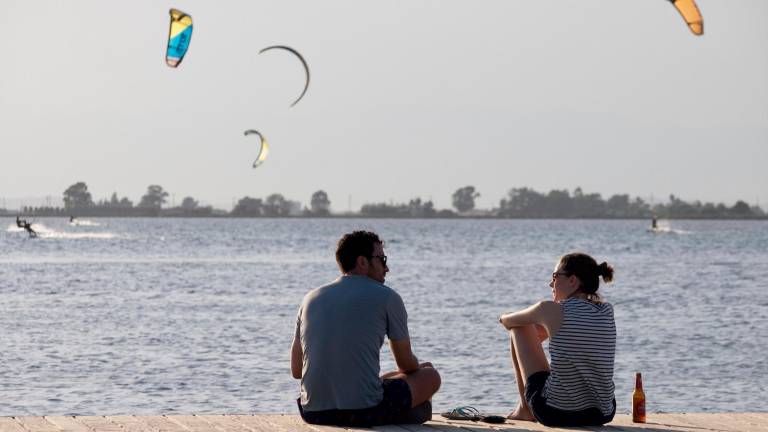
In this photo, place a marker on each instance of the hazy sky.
(408, 98)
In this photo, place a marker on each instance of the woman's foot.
(522, 412)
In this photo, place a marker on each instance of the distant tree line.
(562, 204)
(518, 203)
(527, 203)
(276, 205)
(78, 201)
(415, 208)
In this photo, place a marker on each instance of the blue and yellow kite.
(179, 36)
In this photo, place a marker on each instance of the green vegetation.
(464, 199)
(518, 203)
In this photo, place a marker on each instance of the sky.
(408, 98)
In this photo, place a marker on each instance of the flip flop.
(472, 414)
(462, 413)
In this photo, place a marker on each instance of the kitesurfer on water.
(28, 226)
(19, 222)
(654, 225)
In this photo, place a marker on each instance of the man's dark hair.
(353, 245)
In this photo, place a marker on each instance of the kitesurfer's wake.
(664, 228)
(75, 222)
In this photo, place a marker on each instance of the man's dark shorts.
(395, 408)
(550, 416)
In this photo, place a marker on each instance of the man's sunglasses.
(383, 258)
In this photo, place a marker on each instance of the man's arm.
(404, 358)
(297, 358)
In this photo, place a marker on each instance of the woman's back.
(582, 354)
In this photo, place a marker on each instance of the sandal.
(472, 414)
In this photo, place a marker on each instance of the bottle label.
(638, 410)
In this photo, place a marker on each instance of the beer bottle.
(638, 400)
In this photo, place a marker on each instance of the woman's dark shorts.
(393, 409)
(550, 416)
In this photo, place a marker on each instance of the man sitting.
(340, 329)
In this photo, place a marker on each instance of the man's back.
(342, 327)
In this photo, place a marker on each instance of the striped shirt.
(581, 354)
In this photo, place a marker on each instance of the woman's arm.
(547, 314)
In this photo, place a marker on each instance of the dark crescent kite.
(303, 62)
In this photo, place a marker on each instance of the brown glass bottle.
(638, 400)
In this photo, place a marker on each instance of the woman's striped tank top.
(582, 353)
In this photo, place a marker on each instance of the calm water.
(147, 316)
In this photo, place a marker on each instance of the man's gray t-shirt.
(341, 327)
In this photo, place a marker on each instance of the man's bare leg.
(527, 357)
(423, 383)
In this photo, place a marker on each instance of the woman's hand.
(542, 332)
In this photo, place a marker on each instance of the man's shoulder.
(358, 281)
(352, 282)
(372, 286)
(317, 291)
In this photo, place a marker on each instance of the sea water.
(149, 316)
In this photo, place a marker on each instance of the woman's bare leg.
(522, 411)
(527, 357)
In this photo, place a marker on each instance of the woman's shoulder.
(547, 304)
(585, 309)
(576, 301)
(577, 304)
(549, 308)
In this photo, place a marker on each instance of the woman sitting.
(576, 389)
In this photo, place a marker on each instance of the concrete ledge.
(292, 423)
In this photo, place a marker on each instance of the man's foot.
(522, 412)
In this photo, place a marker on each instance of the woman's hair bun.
(606, 271)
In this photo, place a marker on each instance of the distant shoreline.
(519, 203)
(363, 216)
